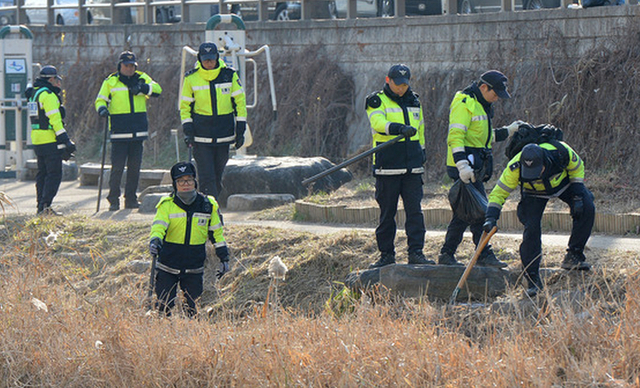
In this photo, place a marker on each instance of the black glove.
(187, 129)
(241, 127)
(103, 111)
(135, 89)
(408, 131)
(224, 268)
(70, 147)
(489, 224)
(144, 88)
(155, 246)
(578, 207)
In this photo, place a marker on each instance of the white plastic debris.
(51, 238)
(277, 269)
(99, 344)
(40, 305)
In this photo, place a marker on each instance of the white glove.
(466, 172)
(513, 127)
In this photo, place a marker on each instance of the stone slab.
(248, 202)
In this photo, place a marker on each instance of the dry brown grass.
(94, 331)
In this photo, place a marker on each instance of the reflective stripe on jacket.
(406, 156)
(185, 232)
(213, 100)
(128, 113)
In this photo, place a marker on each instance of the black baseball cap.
(181, 169)
(208, 50)
(531, 162)
(49, 72)
(400, 74)
(497, 81)
(128, 58)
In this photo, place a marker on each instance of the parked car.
(288, 10)
(385, 8)
(62, 16)
(482, 6)
(7, 16)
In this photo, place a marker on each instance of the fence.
(186, 11)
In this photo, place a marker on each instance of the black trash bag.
(467, 202)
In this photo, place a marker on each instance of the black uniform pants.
(48, 178)
(388, 190)
(211, 161)
(166, 288)
(530, 210)
(457, 226)
(129, 153)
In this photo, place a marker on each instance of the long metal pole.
(352, 160)
(104, 154)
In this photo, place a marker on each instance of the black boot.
(535, 286)
(385, 259)
(488, 259)
(447, 258)
(575, 261)
(418, 258)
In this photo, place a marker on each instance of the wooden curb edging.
(617, 224)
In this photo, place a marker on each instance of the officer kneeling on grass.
(182, 223)
(545, 171)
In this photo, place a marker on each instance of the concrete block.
(149, 202)
(246, 202)
(69, 170)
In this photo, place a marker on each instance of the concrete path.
(74, 199)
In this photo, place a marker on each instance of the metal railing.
(91, 11)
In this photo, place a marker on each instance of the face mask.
(187, 196)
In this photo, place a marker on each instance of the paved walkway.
(74, 199)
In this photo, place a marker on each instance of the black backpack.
(528, 134)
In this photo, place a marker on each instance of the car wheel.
(385, 8)
(282, 12)
(532, 4)
(465, 7)
(333, 10)
(4, 20)
(60, 20)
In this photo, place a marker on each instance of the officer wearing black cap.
(122, 99)
(469, 157)
(396, 110)
(183, 222)
(545, 171)
(48, 136)
(213, 112)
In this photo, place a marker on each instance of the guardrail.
(155, 11)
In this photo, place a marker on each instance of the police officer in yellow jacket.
(544, 171)
(180, 229)
(213, 112)
(50, 140)
(393, 111)
(123, 99)
(469, 155)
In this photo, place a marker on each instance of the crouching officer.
(545, 171)
(50, 140)
(182, 223)
(393, 111)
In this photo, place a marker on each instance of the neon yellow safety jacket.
(213, 100)
(388, 113)
(45, 111)
(184, 230)
(562, 168)
(127, 111)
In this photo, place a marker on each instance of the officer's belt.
(398, 171)
(212, 140)
(175, 271)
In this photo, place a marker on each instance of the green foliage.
(342, 302)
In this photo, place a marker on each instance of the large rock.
(279, 175)
(433, 281)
